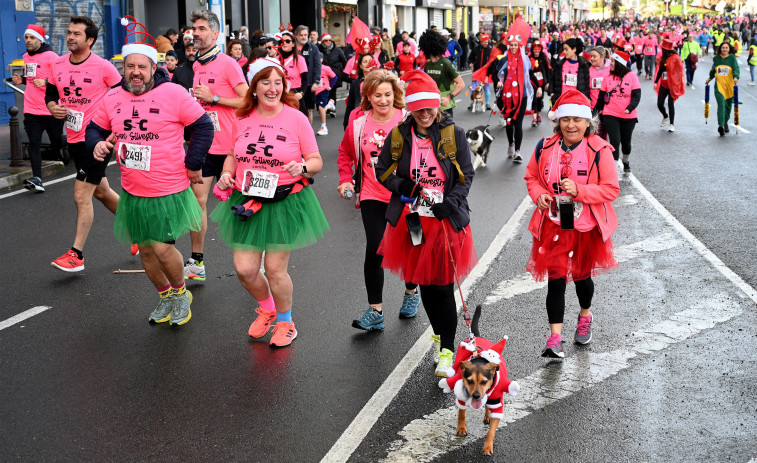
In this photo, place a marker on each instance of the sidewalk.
(14, 176)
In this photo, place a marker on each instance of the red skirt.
(569, 254)
(437, 260)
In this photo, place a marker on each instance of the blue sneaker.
(370, 320)
(410, 303)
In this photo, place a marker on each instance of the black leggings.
(665, 93)
(35, 126)
(374, 222)
(439, 303)
(639, 63)
(556, 297)
(620, 132)
(537, 104)
(515, 128)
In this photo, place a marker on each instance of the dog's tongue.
(476, 403)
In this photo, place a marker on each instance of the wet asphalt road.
(667, 377)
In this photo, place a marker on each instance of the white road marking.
(625, 200)
(427, 438)
(366, 418)
(23, 316)
(51, 182)
(742, 129)
(524, 283)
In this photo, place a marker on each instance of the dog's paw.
(462, 430)
(488, 448)
(486, 419)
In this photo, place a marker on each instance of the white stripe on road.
(427, 438)
(356, 431)
(23, 316)
(51, 182)
(525, 283)
(742, 129)
(625, 200)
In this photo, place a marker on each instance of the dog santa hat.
(421, 91)
(140, 48)
(37, 31)
(572, 103)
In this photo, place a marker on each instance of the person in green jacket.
(690, 53)
(725, 71)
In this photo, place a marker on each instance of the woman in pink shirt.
(381, 109)
(234, 50)
(295, 66)
(600, 68)
(270, 205)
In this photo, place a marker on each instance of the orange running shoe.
(261, 324)
(68, 262)
(283, 334)
(134, 249)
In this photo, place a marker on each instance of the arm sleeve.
(635, 99)
(316, 64)
(200, 134)
(608, 189)
(94, 135)
(600, 103)
(533, 182)
(304, 80)
(51, 93)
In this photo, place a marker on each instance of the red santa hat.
(325, 36)
(621, 57)
(421, 91)
(571, 103)
(36, 31)
(138, 48)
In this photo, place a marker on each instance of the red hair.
(251, 102)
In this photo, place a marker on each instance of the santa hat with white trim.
(572, 103)
(263, 63)
(37, 31)
(140, 48)
(325, 36)
(421, 91)
(621, 57)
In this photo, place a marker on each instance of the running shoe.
(665, 121)
(444, 367)
(262, 323)
(162, 312)
(34, 183)
(517, 157)
(323, 131)
(554, 347)
(410, 303)
(721, 130)
(370, 320)
(283, 334)
(194, 270)
(330, 106)
(134, 249)
(470, 107)
(181, 312)
(488, 107)
(627, 167)
(437, 347)
(533, 123)
(694, 88)
(510, 151)
(725, 128)
(751, 84)
(671, 128)
(583, 330)
(68, 262)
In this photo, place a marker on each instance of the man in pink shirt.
(38, 60)
(220, 88)
(144, 121)
(75, 90)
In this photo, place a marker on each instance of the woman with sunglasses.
(573, 180)
(295, 66)
(429, 195)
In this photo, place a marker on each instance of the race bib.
(571, 80)
(650, 50)
(539, 76)
(259, 183)
(214, 118)
(665, 75)
(596, 83)
(423, 206)
(74, 119)
(135, 156)
(723, 71)
(31, 70)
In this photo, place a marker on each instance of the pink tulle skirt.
(444, 253)
(569, 254)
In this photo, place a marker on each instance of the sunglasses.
(286, 41)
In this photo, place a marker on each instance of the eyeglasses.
(286, 41)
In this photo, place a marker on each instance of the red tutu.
(430, 263)
(569, 254)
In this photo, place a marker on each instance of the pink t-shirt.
(149, 132)
(222, 76)
(638, 45)
(569, 75)
(82, 87)
(576, 164)
(596, 77)
(267, 144)
(371, 140)
(650, 46)
(38, 66)
(294, 70)
(326, 75)
(427, 172)
(621, 97)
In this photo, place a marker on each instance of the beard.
(146, 86)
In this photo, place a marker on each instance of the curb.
(49, 168)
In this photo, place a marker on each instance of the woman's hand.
(538, 93)
(569, 186)
(543, 200)
(500, 84)
(344, 187)
(226, 181)
(736, 81)
(707, 82)
(294, 168)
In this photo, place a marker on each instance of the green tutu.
(162, 219)
(292, 223)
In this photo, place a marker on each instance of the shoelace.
(584, 323)
(554, 341)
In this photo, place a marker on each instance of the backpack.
(447, 146)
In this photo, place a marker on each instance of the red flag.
(359, 31)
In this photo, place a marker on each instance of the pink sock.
(178, 287)
(268, 305)
(162, 290)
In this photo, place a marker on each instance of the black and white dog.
(479, 140)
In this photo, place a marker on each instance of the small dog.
(479, 140)
(477, 98)
(480, 378)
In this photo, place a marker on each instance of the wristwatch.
(304, 169)
(216, 99)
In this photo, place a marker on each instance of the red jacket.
(602, 187)
(405, 62)
(674, 68)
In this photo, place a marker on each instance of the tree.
(615, 7)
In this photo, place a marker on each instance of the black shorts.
(88, 169)
(309, 98)
(213, 165)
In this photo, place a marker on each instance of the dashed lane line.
(23, 316)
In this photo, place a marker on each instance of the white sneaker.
(510, 151)
(671, 128)
(751, 84)
(444, 367)
(692, 87)
(664, 122)
(437, 347)
(517, 157)
(323, 131)
(194, 270)
(330, 106)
